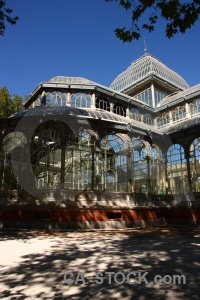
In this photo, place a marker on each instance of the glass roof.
(179, 95)
(85, 113)
(144, 67)
(70, 80)
(66, 110)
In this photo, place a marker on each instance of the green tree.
(9, 105)
(179, 16)
(17, 103)
(5, 17)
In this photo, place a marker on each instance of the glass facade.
(99, 103)
(113, 164)
(195, 165)
(63, 159)
(159, 95)
(146, 97)
(177, 173)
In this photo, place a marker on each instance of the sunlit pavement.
(33, 264)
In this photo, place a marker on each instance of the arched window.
(119, 109)
(176, 170)
(147, 119)
(134, 114)
(46, 159)
(178, 113)
(81, 100)
(139, 166)
(195, 107)
(102, 103)
(153, 153)
(113, 164)
(139, 150)
(157, 171)
(54, 99)
(79, 161)
(195, 165)
(163, 120)
(59, 164)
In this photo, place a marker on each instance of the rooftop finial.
(145, 47)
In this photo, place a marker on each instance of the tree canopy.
(179, 16)
(9, 104)
(5, 13)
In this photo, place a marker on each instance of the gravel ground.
(33, 264)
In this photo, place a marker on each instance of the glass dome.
(142, 68)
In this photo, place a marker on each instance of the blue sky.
(76, 38)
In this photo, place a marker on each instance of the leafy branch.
(179, 16)
(5, 17)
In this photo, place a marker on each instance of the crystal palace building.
(82, 155)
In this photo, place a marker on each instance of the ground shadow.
(41, 275)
